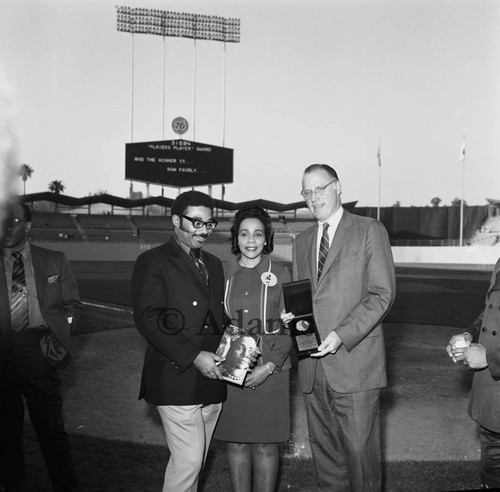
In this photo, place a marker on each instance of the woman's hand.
(286, 317)
(257, 376)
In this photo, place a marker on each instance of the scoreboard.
(178, 163)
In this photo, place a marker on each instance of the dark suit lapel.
(175, 249)
(305, 255)
(212, 275)
(209, 264)
(340, 238)
(4, 299)
(39, 270)
(313, 259)
(495, 283)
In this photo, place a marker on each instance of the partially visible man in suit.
(177, 297)
(349, 262)
(38, 295)
(479, 348)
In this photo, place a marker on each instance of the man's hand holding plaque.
(329, 345)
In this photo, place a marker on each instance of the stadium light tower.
(178, 24)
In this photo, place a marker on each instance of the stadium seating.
(151, 223)
(489, 234)
(106, 227)
(123, 228)
(157, 228)
(46, 226)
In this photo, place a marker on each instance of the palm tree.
(25, 171)
(56, 187)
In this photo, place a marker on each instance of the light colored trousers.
(188, 431)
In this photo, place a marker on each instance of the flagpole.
(379, 178)
(194, 88)
(224, 97)
(462, 158)
(132, 71)
(163, 92)
(462, 206)
(132, 90)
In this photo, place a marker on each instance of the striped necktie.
(324, 246)
(19, 298)
(202, 268)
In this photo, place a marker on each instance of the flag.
(378, 155)
(462, 151)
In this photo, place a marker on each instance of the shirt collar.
(182, 245)
(333, 220)
(24, 250)
(234, 266)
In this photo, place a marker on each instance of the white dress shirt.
(334, 221)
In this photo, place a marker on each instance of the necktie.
(19, 299)
(202, 268)
(324, 246)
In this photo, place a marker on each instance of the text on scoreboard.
(178, 163)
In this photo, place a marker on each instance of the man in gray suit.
(479, 348)
(349, 262)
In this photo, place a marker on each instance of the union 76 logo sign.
(180, 125)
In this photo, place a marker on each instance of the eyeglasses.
(198, 224)
(15, 223)
(318, 191)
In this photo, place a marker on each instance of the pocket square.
(52, 279)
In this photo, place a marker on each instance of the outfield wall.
(479, 256)
(475, 255)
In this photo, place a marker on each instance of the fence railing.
(426, 242)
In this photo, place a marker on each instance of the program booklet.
(235, 346)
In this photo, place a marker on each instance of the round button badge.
(269, 279)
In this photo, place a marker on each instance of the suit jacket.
(355, 291)
(179, 316)
(484, 404)
(57, 292)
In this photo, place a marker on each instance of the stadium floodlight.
(177, 24)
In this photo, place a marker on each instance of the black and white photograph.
(168, 168)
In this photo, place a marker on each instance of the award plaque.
(303, 329)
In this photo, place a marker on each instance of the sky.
(310, 81)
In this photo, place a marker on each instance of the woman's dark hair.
(252, 212)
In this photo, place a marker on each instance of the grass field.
(424, 296)
(118, 466)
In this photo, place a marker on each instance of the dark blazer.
(353, 294)
(484, 404)
(179, 316)
(57, 293)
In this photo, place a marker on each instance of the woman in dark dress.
(255, 416)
